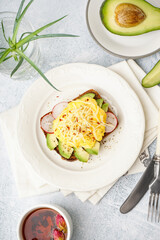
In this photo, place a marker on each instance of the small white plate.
(116, 155)
(123, 46)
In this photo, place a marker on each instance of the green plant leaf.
(2, 52)
(17, 66)
(52, 36)
(23, 50)
(2, 48)
(4, 35)
(19, 63)
(19, 21)
(35, 67)
(7, 58)
(5, 54)
(24, 34)
(30, 36)
(18, 14)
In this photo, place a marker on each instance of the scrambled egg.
(81, 123)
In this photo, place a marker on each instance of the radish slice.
(58, 108)
(111, 122)
(47, 122)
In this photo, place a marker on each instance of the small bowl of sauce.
(45, 222)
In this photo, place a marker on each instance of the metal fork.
(154, 198)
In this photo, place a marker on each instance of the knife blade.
(139, 190)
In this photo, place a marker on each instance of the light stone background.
(101, 222)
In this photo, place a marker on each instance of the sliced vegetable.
(99, 102)
(105, 107)
(91, 95)
(81, 154)
(58, 108)
(46, 122)
(153, 77)
(51, 141)
(111, 122)
(94, 150)
(65, 150)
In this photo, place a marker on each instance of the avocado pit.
(129, 15)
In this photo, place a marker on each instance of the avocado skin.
(153, 77)
(151, 23)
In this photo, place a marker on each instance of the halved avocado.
(153, 77)
(91, 95)
(130, 17)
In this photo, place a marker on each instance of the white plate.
(123, 46)
(116, 155)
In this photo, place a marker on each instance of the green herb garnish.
(17, 48)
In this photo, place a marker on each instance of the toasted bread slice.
(97, 96)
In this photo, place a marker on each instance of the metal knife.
(139, 190)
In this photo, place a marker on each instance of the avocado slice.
(51, 141)
(130, 18)
(153, 77)
(65, 150)
(105, 107)
(99, 102)
(81, 154)
(94, 150)
(91, 95)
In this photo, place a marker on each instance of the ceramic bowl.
(57, 208)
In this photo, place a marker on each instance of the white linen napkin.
(29, 183)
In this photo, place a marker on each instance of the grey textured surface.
(100, 222)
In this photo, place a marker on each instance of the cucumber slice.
(51, 141)
(153, 77)
(94, 150)
(99, 102)
(65, 150)
(81, 154)
(91, 95)
(105, 107)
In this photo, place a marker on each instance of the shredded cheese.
(81, 123)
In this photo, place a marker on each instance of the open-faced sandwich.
(75, 129)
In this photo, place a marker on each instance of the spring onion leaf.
(2, 48)
(17, 48)
(5, 54)
(24, 34)
(52, 36)
(7, 58)
(23, 50)
(18, 14)
(19, 21)
(35, 67)
(30, 36)
(4, 35)
(1, 52)
(17, 66)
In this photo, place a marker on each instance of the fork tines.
(154, 207)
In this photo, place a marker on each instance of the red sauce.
(39, 224)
